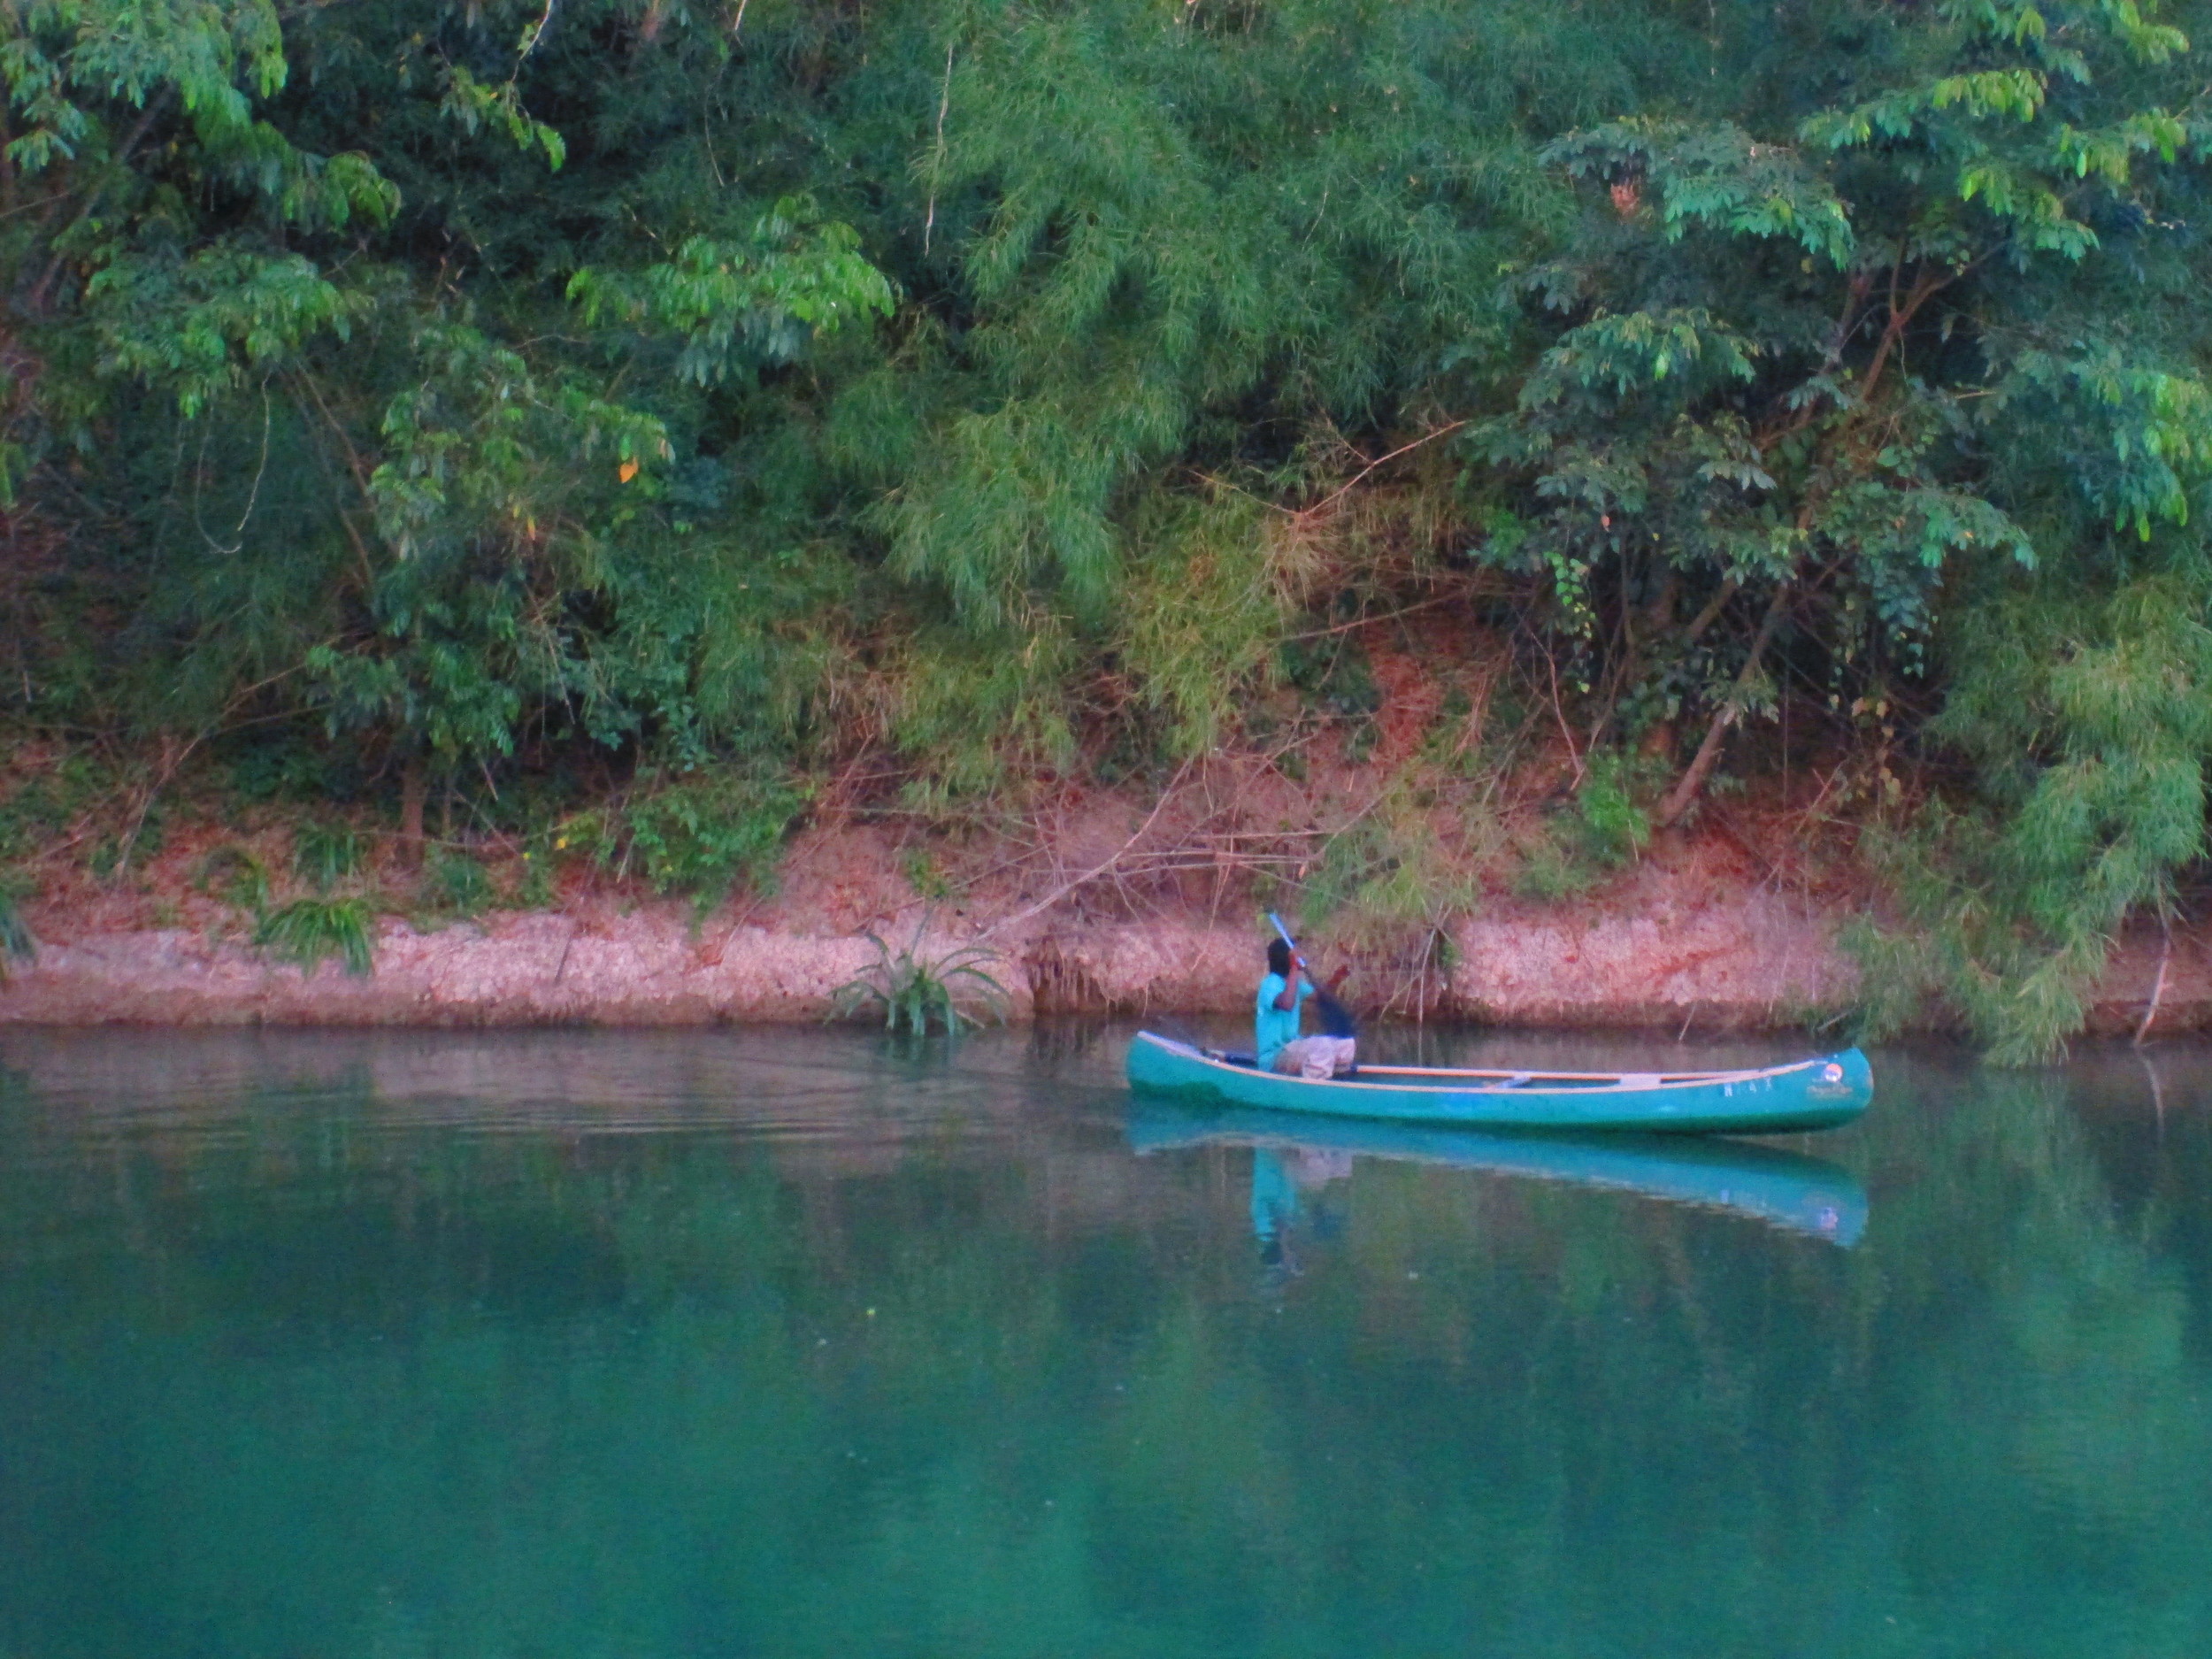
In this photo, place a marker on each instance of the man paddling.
(1276, 1010)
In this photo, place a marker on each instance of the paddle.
(1182, 1031)
(1336, 1020)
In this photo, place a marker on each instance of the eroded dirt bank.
(1668, 948)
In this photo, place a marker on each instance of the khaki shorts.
(1315, 1058)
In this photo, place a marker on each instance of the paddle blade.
(1336, 1020)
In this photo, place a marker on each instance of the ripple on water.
(802, 1342)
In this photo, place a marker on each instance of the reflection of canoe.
(1786, 1189)
(1817, 1094)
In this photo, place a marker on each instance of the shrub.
(459, 883)
(307, 930)
(114, 852)
(535, 890)
(923, 875)
(924, 993)
(1611, 827)
(326, 854)
(283, 768)
(236, 877)
(1602, 830)
(16, 942)
(710, 832)
(1550, 872)
(38, 810)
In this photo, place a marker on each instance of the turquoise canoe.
(1784, 1189)
(1817, 1094)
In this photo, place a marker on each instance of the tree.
(1815, 379)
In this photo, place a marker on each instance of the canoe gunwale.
(1524, 1082)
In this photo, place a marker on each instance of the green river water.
(799, 1343)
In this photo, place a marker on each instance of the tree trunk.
(1659, 623)
(2158, 988)
(413, 792)
(1701, 763)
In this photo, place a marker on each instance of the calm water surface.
(799, 1343)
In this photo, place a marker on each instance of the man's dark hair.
(1279, 958)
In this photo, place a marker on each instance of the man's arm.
(1288, 999)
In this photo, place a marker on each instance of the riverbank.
(1680, 944)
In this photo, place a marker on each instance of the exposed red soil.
(1093, 901)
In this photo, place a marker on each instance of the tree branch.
(1685, 791)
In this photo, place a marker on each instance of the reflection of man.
(1275, 1041)
(1274, 1204)
(1280, 1183)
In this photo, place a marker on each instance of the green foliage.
(1388, 873)
(280, 770)
(705, 835)
(1610, 828)
(235, 876)
(17, 942)
(44, 805)
(1600, 832)
(139, 839)
(1830, 367)
(535, 890)
(1548, 872)
(1332, 673)
(740, 306)
(473, 106)
(1208, 592)
(1715, 178)
(310, 931)
(457, 883)
(324, 854)
(923, 875)
(1391, 887)
(608, 393)
(922, 994)
(2092, 722)
(1131, 276)
(201, 325)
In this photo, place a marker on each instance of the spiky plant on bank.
(924, 993)
(16, 942)
(307, 931)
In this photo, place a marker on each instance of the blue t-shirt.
(1273, 1026)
